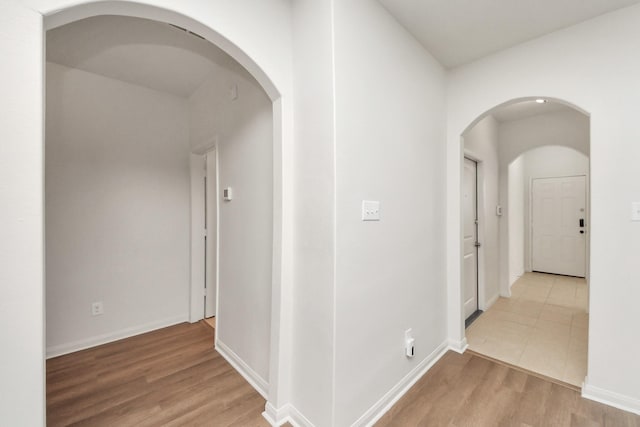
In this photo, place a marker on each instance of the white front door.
(559, 225)
(470, 238)
(211, 239)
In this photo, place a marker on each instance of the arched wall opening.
(514, 144)
(546, 161)
(502, 288)
(534, 68)
(281, 155)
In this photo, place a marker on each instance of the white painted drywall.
(593, 65)
(244, 131)
(314, 251)
(256, 33)
(547, 162)
(481, 144)
(117, 208)
(389, 147)
(515, 216)
(569, 128)
(22, 382)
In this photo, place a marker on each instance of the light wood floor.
(169, 377)
(174, 377)
(468, 390)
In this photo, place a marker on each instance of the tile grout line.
(548, 309)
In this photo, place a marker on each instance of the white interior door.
(211, 239)
(559, 225)
(470, 237)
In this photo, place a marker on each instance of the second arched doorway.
(535, 320)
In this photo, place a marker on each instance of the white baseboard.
(492, 301)
(458, 346)
(61, 349)
(275, 417)
(287, 414)
(392, 396)
(610, 398)
(296, 419)
(243, 369)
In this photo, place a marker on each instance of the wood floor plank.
(171, 376)
(467, 390)
(174, 377)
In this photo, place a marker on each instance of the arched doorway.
(259, 44)
(519, 147)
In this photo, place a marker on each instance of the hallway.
(543, 327)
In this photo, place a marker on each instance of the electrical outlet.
(97, 308)
(370, 210)
(409, 343)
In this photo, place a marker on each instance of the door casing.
(212, 248)
(471, 251)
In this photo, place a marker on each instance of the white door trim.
(474, 253)
(213, 230)
(197, 279)
(480, 177)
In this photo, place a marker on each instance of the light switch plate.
(370, 210)
(635, 211)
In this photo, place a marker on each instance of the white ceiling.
(524, 109)
(460, 31)
(138, 51)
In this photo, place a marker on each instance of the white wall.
(569, 128)
(389, 147)
(21, 217)
(244, 130)
(515, 213)
(481, 144)
(547, 162)
(593, 65)
(313, 321)
(117, 209)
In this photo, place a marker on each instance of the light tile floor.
(543, 327)
(211, 321)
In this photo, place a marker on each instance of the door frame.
(198, 260)
(480, 213)
(215, 227)
(476, 236)
(587, 218)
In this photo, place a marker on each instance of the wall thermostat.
(227, 194)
